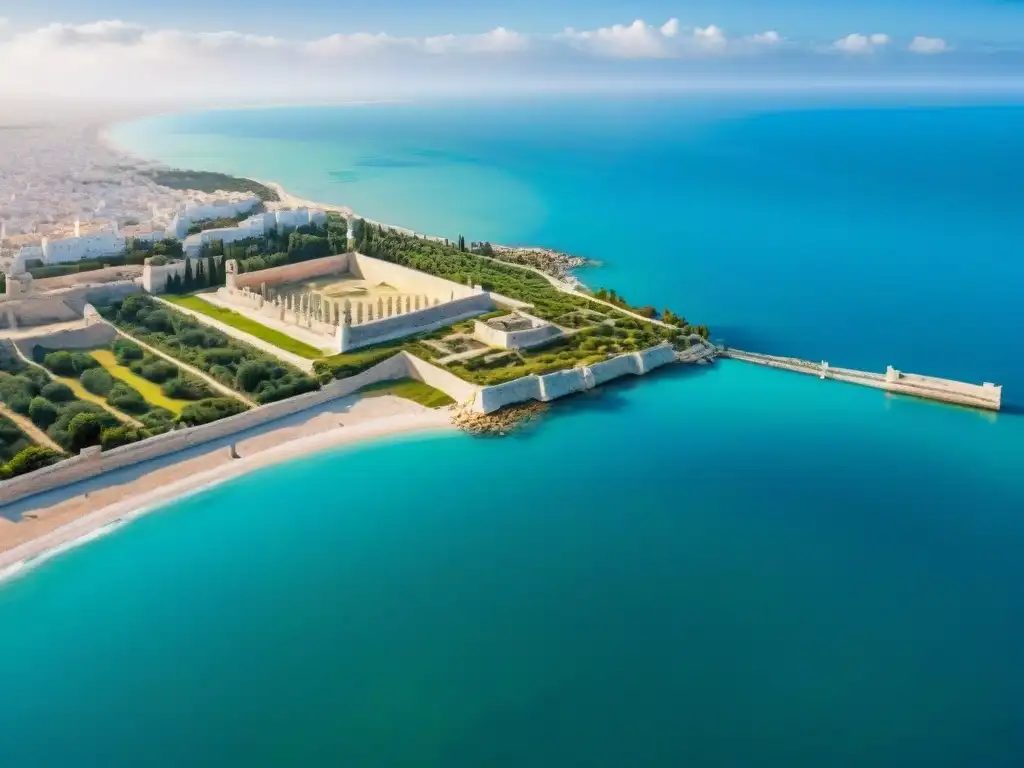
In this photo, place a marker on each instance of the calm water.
(734, 567)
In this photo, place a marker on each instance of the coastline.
(522, 255)
(88, 514)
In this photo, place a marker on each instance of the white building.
(251, 227)
(97, 242)
(190, 214)
(286, 219)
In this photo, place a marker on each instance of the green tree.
(114, 437)
(84, 430)
(57, 392)
(250, 375)
(42, 412)
(188, 283)
(200, 274)
(31, 458)
(60, 363)
(97, 381)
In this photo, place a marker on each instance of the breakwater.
(986, 396)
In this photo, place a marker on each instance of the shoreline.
(91, 518)
(565, 262)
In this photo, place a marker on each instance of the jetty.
(985, 396)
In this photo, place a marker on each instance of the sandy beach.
(36, 528)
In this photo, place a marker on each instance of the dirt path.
(190, 369)
(30, 429)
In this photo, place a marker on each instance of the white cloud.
(858, 43)
(670, 28)
(499, 40)
(771, 37)
(928, 45)
(638, 40)
(711, 38)
(119, 58)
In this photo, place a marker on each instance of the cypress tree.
(189, 281)
(169, 285)
(200, 274)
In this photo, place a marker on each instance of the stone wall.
(407, 280)
(561, 383)
(92, 462)
(418, 321)
(97, 335)
(458, 390)
(542, 332)
(290, 273)
(154, 278)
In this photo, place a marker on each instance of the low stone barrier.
(552, 386)
(92, 462)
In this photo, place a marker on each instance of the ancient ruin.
(348, 301)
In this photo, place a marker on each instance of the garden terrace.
(247, 325)
(247, 370)
(52, 406)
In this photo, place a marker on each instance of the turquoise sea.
(708, 567)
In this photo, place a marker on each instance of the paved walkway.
(30, 429)
(302, 363)
(190, 369)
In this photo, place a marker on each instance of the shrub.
(223, 356)
(126, 399)
(114, 437)
(69, 363)
(126, 351)
(57, 392)
(210, 409)
(60, 363)
(84, 430)
(42, 412)
(157, 420)
(30, 459)
(158, 371)
(98, 381)
(83, 362)
(158, 320)
(185, 389)
(250, 375)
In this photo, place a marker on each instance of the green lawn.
(410, 389)
(148, 389)
(243, 323)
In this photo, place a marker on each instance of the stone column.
(380, 308)
(391, 306)
(359, 313)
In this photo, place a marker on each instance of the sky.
(258, 50)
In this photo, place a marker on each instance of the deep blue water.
(727, 567)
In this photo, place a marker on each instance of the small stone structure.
(27, 303)
(388, 302)
(515, 331)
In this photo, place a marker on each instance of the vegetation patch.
(410, 389)
(71, 423)
(150, 390)
(210, 182)
(243, 323)
(253, 372)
